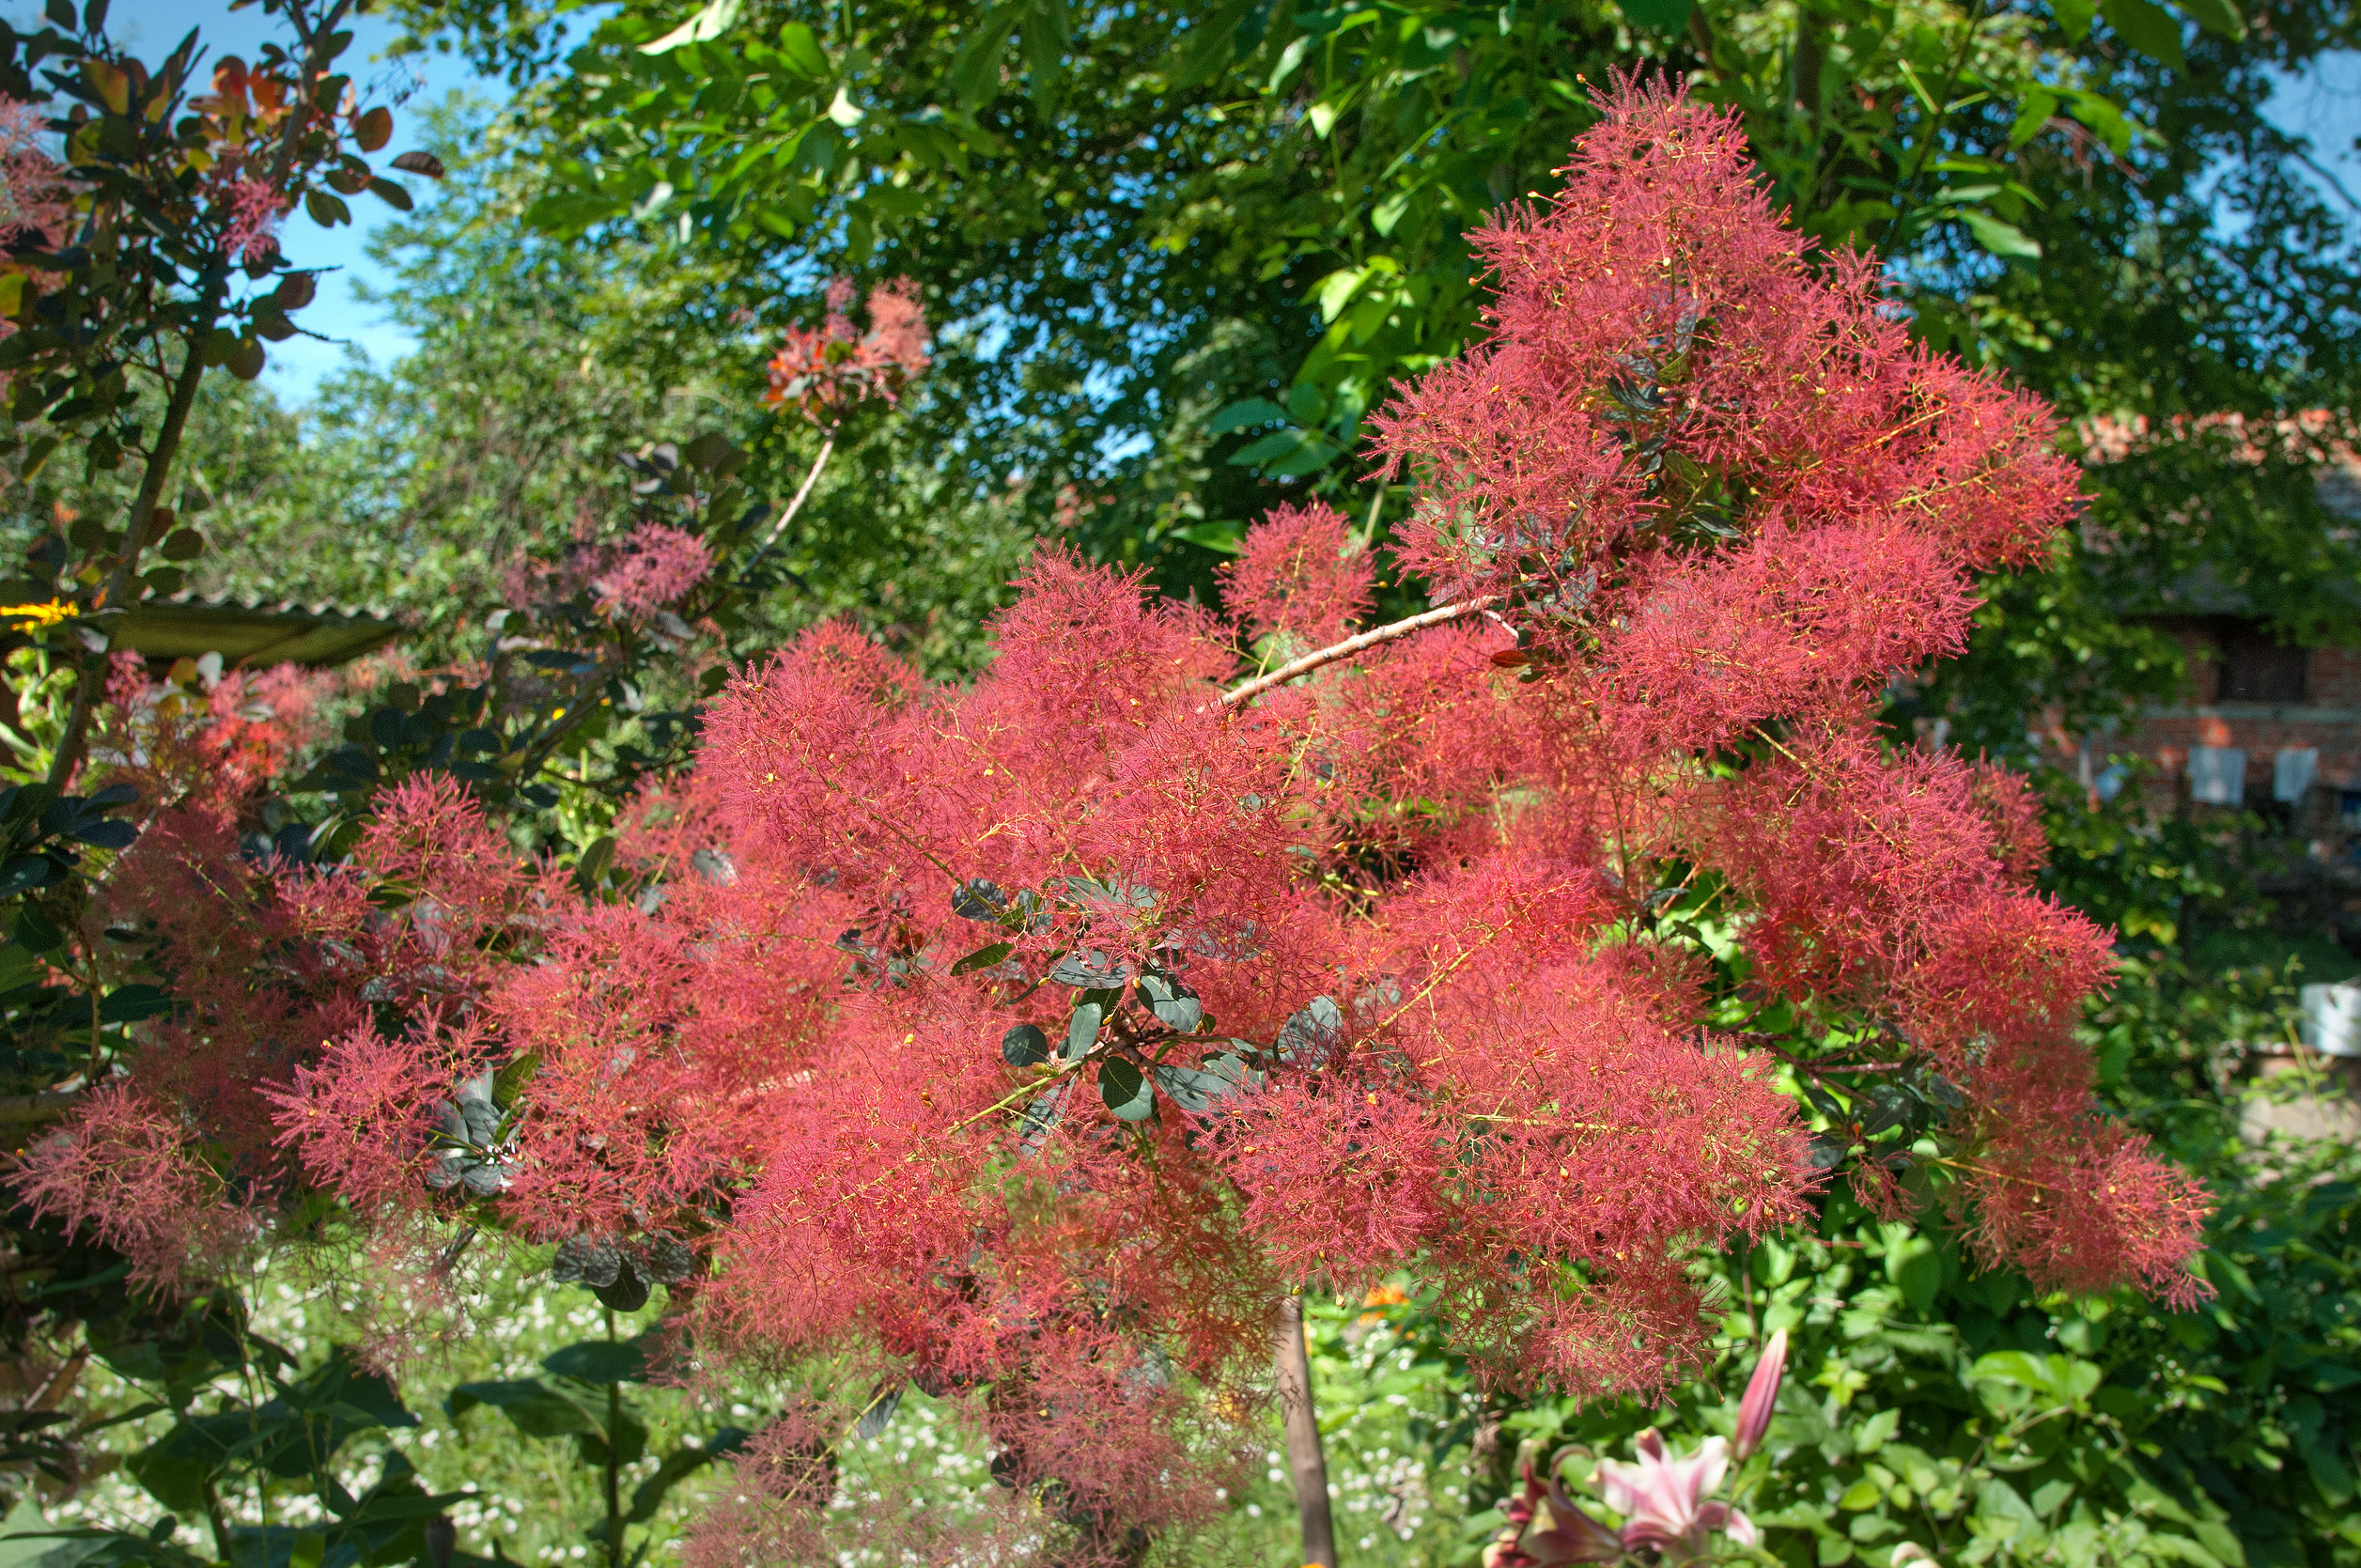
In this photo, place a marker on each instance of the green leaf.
(1210, 46)
(535, 1409)
(803, 50)
(1126, 1090)
(1311, 1035)
(1289, 59)
(23, 871)
(1204, 1088)
(1656, 16)
(17, 967)
(2034, 113)
(1917, 1266)
(1081, 1030)
(1335, 291)
(1024, 1046)
(878, 1413)
(1279, 444)
(390, 193)
(326, 210)
(131, 1003)
(1875, 1433)
(600, 1360)
(1238, 416)
(628, 1438)
(2106, 121)
(37, 931)
(2004, 240)
(1220, 536)
(975, 70)
(2147, 27)
(2221, 18)
(2074, 17)
(592, 868)
(1175, 1005)
(1048, 31)
(678, 1467)
(982, 958)
(708, 22)
(1313, 452)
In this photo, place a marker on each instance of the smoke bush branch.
(1352, 646)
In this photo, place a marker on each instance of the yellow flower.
(56, 610)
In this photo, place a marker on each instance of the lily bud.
(1754, 1411)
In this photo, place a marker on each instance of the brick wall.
(2328, 720)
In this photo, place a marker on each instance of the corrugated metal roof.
(250, 632)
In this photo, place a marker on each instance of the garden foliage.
(1023, 1042)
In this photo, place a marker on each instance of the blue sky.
(297, 365)
(2325, 106)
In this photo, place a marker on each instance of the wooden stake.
(1305, 1459)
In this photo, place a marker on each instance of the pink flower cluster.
(35, 197)
(823, 371)
(250, 212)
(656, 566)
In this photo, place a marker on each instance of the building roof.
(248, 632)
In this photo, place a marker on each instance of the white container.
(2332, 1019)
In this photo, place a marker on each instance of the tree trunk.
(1305, 1460)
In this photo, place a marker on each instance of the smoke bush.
(1028, 1039)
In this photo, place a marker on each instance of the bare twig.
(797, 505)
(1352, 646)
(1763, 1043)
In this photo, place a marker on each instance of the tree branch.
(90, 684)
(1352, 646)
(797, 505)
(49, 1105)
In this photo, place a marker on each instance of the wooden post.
(1305, 1460)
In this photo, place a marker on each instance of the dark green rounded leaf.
(326, 210)
(538, 1410)
(1024, 1046)
(1092, 970)
(1126, 1090)
(106, 833)
(1174, 1004)
(601, 1361)
(628, 1293)
(1198, 1090)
